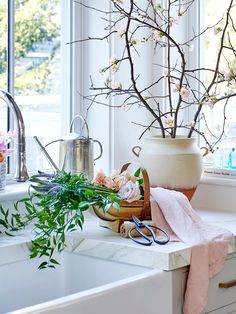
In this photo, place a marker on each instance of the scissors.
(148, 241)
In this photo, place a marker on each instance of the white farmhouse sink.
(82, 284)
(23, 285)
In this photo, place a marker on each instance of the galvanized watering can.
(76, 153)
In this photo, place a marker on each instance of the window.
(34, 66)
(224, 114)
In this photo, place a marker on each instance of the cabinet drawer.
(222, 287)
(228, 309)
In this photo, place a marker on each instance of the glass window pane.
(215, 114)
(38, 74)
(3, 61)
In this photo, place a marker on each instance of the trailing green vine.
(55, 206)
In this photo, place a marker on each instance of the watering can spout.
(50, 160)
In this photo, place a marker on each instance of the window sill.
(215, 193)
(14, 191)
(212, 193)
(218, 181)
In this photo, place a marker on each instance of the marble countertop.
(100, 242)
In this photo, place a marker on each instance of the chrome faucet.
(21, 174)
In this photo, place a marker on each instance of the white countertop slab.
(94, 240)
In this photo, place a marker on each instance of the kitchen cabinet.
(221, 300)
(229, 309)
(222, 289)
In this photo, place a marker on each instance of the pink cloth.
(172, 211)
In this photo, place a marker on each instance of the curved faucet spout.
(21, 170)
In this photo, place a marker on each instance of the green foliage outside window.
(35, 24)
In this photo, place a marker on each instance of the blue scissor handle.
(139, 224)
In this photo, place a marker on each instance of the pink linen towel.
(172, 211)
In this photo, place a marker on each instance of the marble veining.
(100, 242)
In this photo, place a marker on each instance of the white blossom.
(217, 30)
(209, 103)
(169, 120)
(119, 1)
(185, 92)
(228, 75)
(121, 31)
(233, 83)
(114, 64)
(157, 35)
(116, 85)
(134, 41)
(176, 88)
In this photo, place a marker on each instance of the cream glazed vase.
(173, 163)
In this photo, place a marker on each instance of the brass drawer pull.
(228, 284)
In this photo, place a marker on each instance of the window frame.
(73, 19)
(70, 65)
(224, 177)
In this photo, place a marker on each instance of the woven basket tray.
(113, 218)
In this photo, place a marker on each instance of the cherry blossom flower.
(176, 88)
(157, 5)
(228, 75)
(169, 120)
(121, 31)
(157, 35)
(125, 106)
(209, 102)
(185, 92)
(233, 83)
(119, 1)
(116, 85)
(217, 30)
(114, 64)
(134, 41)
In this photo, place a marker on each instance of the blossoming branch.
(176, 85)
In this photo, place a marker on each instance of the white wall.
(215, 194)
(114, 128)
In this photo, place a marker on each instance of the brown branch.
(217, 65)
(132, 71)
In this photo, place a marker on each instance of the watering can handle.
(85, 123)
(101, 149)
(134, 150)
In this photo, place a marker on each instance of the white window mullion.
(11, 68)
(67, 63)
(11, 46)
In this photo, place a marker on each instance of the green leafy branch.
(55, 206)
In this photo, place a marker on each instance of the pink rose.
(99, 178)
(118, 181)
(109, 183)
(130, 192)
(115, 173)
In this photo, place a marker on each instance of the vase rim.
(181, 138)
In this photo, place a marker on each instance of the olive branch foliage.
(54, 207)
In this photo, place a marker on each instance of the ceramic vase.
(172, 163)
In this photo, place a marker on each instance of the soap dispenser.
(232, 159)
